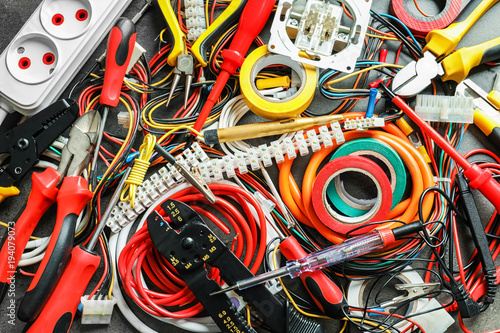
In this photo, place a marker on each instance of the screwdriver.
(480, 179)
(58, 313)
(252, 21)
(351, 248)
(258, 130)
(121, 42)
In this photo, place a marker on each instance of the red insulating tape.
(420, 24)
(341, 165)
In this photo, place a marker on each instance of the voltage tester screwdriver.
(351, 248)
(252, 21)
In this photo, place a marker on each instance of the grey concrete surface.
(13, 14)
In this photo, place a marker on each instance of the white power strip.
(213, 170)
(51, 48)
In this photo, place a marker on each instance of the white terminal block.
(216, 169)
(51, 48)
(362, 124)
(97, 311)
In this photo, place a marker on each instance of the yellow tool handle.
(174, 30)
(494, 98)
(488, 125)
(494, 95)
(458, 64)
(443, 41)
(8, 192)
(226, 19)
(258, 130)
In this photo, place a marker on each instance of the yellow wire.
(164, 136)
(332, 82)
(3, 224)
(127, 138)
(248, 315)
(141, 166)
(290, 296)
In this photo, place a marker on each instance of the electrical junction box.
(52, 46)
(316, 32)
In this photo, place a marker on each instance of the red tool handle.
(73, 196)
(58, 313)
(42, 196)
(120, 47)
(480, 179)
(325, 293)
(252, 21)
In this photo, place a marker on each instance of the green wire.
(118, 175)
(55, 150)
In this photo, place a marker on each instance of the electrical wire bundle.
(139, 261)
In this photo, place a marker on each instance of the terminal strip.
(213, 170)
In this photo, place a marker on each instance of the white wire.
(231, 114)
(117, 242)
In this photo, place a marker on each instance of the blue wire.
(404, 26)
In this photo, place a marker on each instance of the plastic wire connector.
(449, 109)
(362, 124)
(371, 102)
(97, 311)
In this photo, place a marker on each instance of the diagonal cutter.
(66, 187)
(439, 60)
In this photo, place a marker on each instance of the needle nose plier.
(66, 187)
(438, 59)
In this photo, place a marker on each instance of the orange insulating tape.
(405, 211)
(420, 24)
(344, 224)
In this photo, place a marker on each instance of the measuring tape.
(272, 108)
(375, 150)
(340, 223)
(422, 25)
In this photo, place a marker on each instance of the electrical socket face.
(51, 48)
(32, 58)
(66, 19)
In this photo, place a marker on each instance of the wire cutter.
(28, 140)
(438, 59)
(179, 56)
(183, 59)
(66, 187)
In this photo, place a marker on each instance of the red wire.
(140, 256)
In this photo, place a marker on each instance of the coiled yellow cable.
(141, 166)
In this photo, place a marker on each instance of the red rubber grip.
(325, 293)
(59, 312)
(42, 196)
(72, 198)
(120, 47)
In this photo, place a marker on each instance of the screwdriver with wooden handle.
(258, 130)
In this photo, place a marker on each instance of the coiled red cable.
(168, 295)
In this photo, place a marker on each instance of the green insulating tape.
(384, 154)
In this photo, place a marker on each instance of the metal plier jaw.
(82, 138)
(413, 291)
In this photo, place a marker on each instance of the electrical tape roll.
(356, 293)
(344, 224)
(422, 25)
(354, 207)
(269, 108)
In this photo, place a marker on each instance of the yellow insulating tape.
(271, 108)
